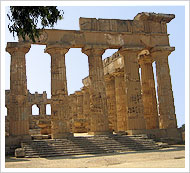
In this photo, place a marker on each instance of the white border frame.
(96, 3)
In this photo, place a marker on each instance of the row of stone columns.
(135, 100)
(136, 118)
(166, 109)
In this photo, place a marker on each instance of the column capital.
(95, 50)
(13, 47)
(56, 49)
(158, 51)
(144, 57)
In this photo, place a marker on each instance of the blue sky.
(38, 62)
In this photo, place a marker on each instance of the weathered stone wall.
(35, 121)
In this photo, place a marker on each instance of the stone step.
(86, 145)
(89, 147)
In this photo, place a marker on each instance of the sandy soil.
(173, 157)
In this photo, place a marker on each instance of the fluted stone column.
(30, 109)
(72, 110)
(19, 118)
(164, 89)
(134, 106)
(148, 92)
(98, 101)
(120, 102)
(86, 107)
(59, 95)
(111, 102)
(79, 96)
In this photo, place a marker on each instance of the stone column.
(148, 92)
(19, 118)
(79, 96)
(120, 97)
(134, 106)
(164, 89)
(111, 102)
(30, 109)
(73, 110)
(42, 109)
(59, 95)
(86, 107)
(98, 100)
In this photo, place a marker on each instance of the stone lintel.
(157, 17)
(113, 40)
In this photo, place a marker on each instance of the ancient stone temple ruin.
(115, 98)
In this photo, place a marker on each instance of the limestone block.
(19, 153)
(157, 17)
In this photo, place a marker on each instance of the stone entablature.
(143, 22)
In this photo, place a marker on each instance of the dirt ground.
(173, 157)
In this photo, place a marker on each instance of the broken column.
(59, 95)
(164, 88)
(98, 101)
(148, 92)
(18, 113)
(134, 106)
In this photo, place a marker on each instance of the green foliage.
(24, 19)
